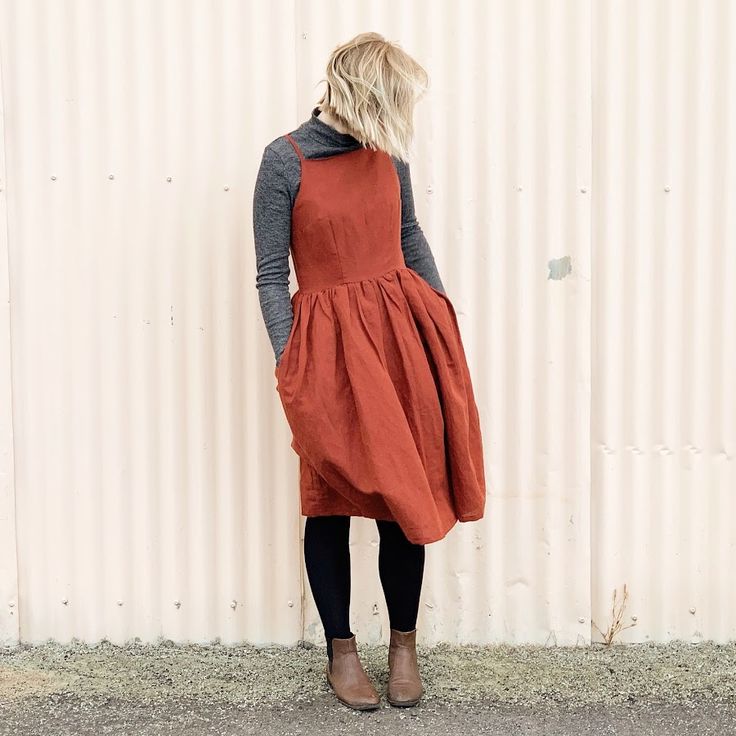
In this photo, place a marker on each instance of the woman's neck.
(328, 119)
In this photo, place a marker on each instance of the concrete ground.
(149, 690)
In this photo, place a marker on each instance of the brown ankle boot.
(404, 683)
(347, 677)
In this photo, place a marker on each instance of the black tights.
(327, 559)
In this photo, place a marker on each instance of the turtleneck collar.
(325, 134)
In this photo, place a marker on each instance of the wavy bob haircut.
(372, 87)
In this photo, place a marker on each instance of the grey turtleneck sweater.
(277, 184)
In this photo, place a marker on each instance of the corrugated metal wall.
(572, 171)
(664, 314)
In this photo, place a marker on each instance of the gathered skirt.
(377, 392)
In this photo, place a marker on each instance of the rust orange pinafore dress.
(373, 378)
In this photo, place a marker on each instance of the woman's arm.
(272, 235)
(417, 253)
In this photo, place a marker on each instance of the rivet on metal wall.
(226, 188)
(519, 188)
(667, 189)
(634, 618)
(581, 620)
(65, 601)
(233, 604)
(177, 604)
(11, 604)
(120, 603)
(290, 604)
(168, 178)
(583, 189)
(430, 189)
(692, 610)
(111, 176)
(53, 177)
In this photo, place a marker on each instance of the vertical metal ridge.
(9, 593)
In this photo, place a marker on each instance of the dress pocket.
(287, 345)
(438, 292)
(447, 300)
(435, 290)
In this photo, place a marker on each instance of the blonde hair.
(372, 87)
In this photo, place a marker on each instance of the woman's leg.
(327, 559)
(401, 569)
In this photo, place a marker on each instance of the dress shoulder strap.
(296, 148)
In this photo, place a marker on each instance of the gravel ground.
(165, 688)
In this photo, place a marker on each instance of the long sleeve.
(272, 234)
(417, 253)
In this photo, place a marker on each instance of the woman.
(370, 366)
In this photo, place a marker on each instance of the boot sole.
(403, 703)
(365, 706)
